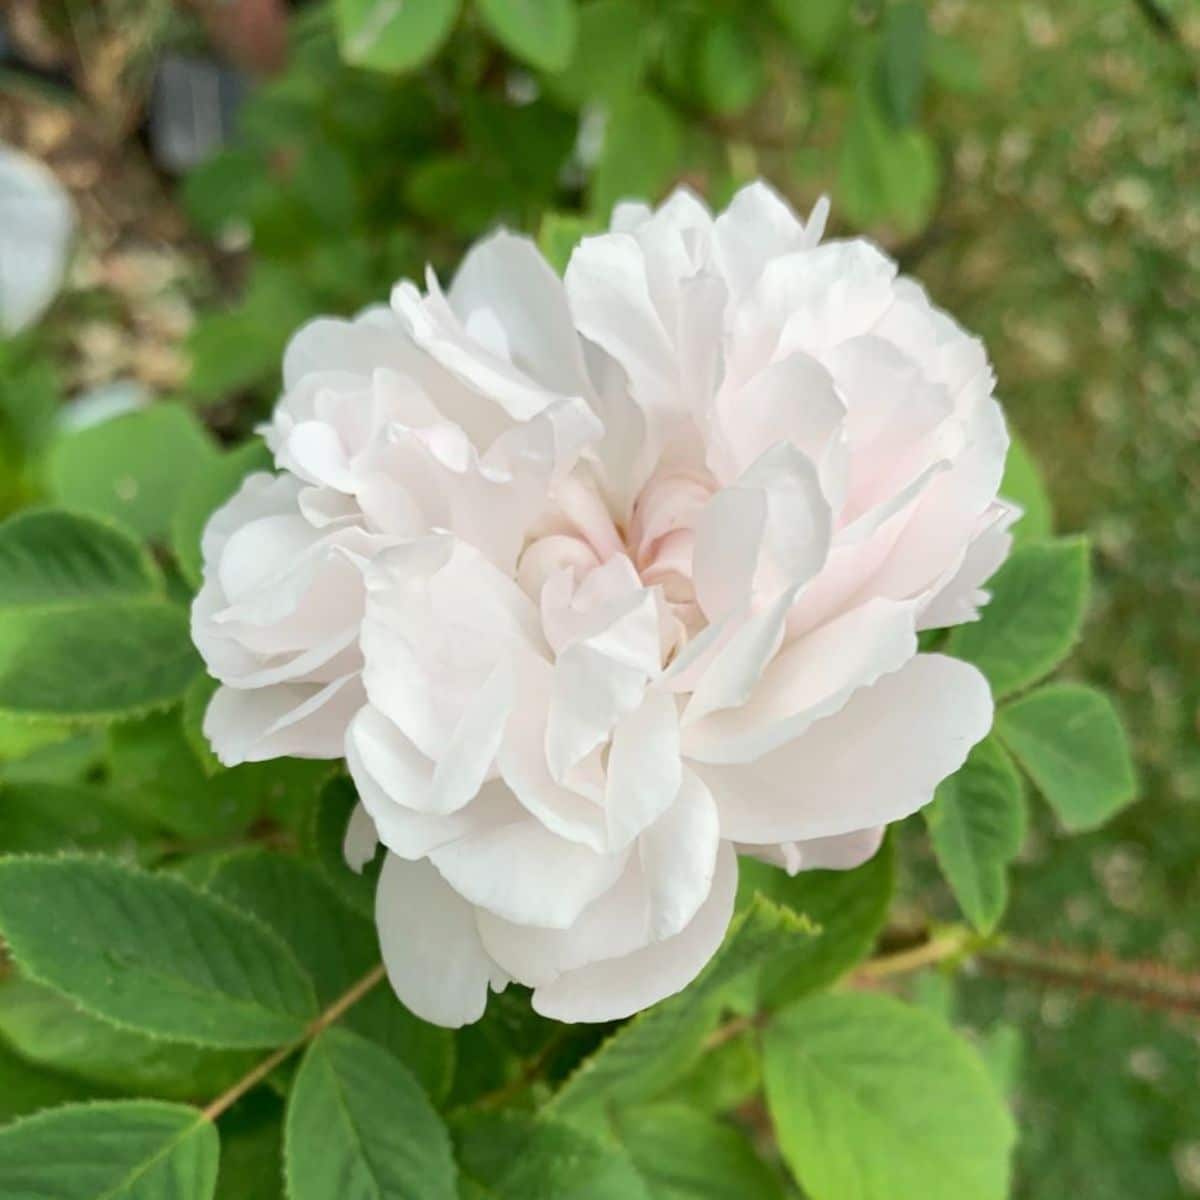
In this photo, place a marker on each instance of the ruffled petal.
(614, 988)
(431, 948)
(876, 760)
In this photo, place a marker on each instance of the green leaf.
(21, 737)
(560, 233)
(885, 174)
(252, 1149)
(730, 67)
(816, 26)
(191, 715)
(112, 1150)
(446, 190)
(157, 777)
(29, 405)
(38, 817)
(233, 349)
(108, 659)
(132, 468)
(48, 1030)
(643, 142)
(953, 65)
(723, 1078)
(1023, 485)
(607, 64)
(26, 1089)
(683, 1155)
(393, 35)
(331, 815)
(1070, 740)
(1002, 1049)
(1039, 597)
(874, 1100)
(225, 188)
(50, 558)
(542, 32)
(511, 1155)
(977, 824)
(648, 1052)
(150, 953)
(847, 909)
(336, 947)
(205, 493)
(902, 61)
(359, 1127)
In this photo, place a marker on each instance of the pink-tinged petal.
(444, 785)
(615, 924)
(794, 401)
(507, 277)
(679, 858)
(381, 788)
(809, 679)
(758, 225)
(301, 720)
(644, 770)
(520, 871)
(875, 761)
(963, 596)
(439, 621)
(435, 960)
(810, 301)
(609, 292)
(563, 809)
(896, 419)
(614, 988)
(947, 512)
(479, 356)
(729, 534)
(767, 533)
(841, 853)
(361, 842)
(729, 677)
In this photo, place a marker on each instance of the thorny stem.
(252, 1078)
(1151, 984)
(530, 1072)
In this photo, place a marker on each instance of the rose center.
(580, 533)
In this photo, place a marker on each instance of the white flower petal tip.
(37, 221)
(597, 582)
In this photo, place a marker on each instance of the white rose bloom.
(640, 563)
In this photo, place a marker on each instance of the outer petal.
(435, 961)
(679, 858)
(405, 831)
(519, 870)
(302, 720)
(877, 760)
(807, 680)
(841, 853)
(759, 225)
(962, 597)
(506, 277)
(614, 988)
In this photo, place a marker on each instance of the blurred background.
(235, 167)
